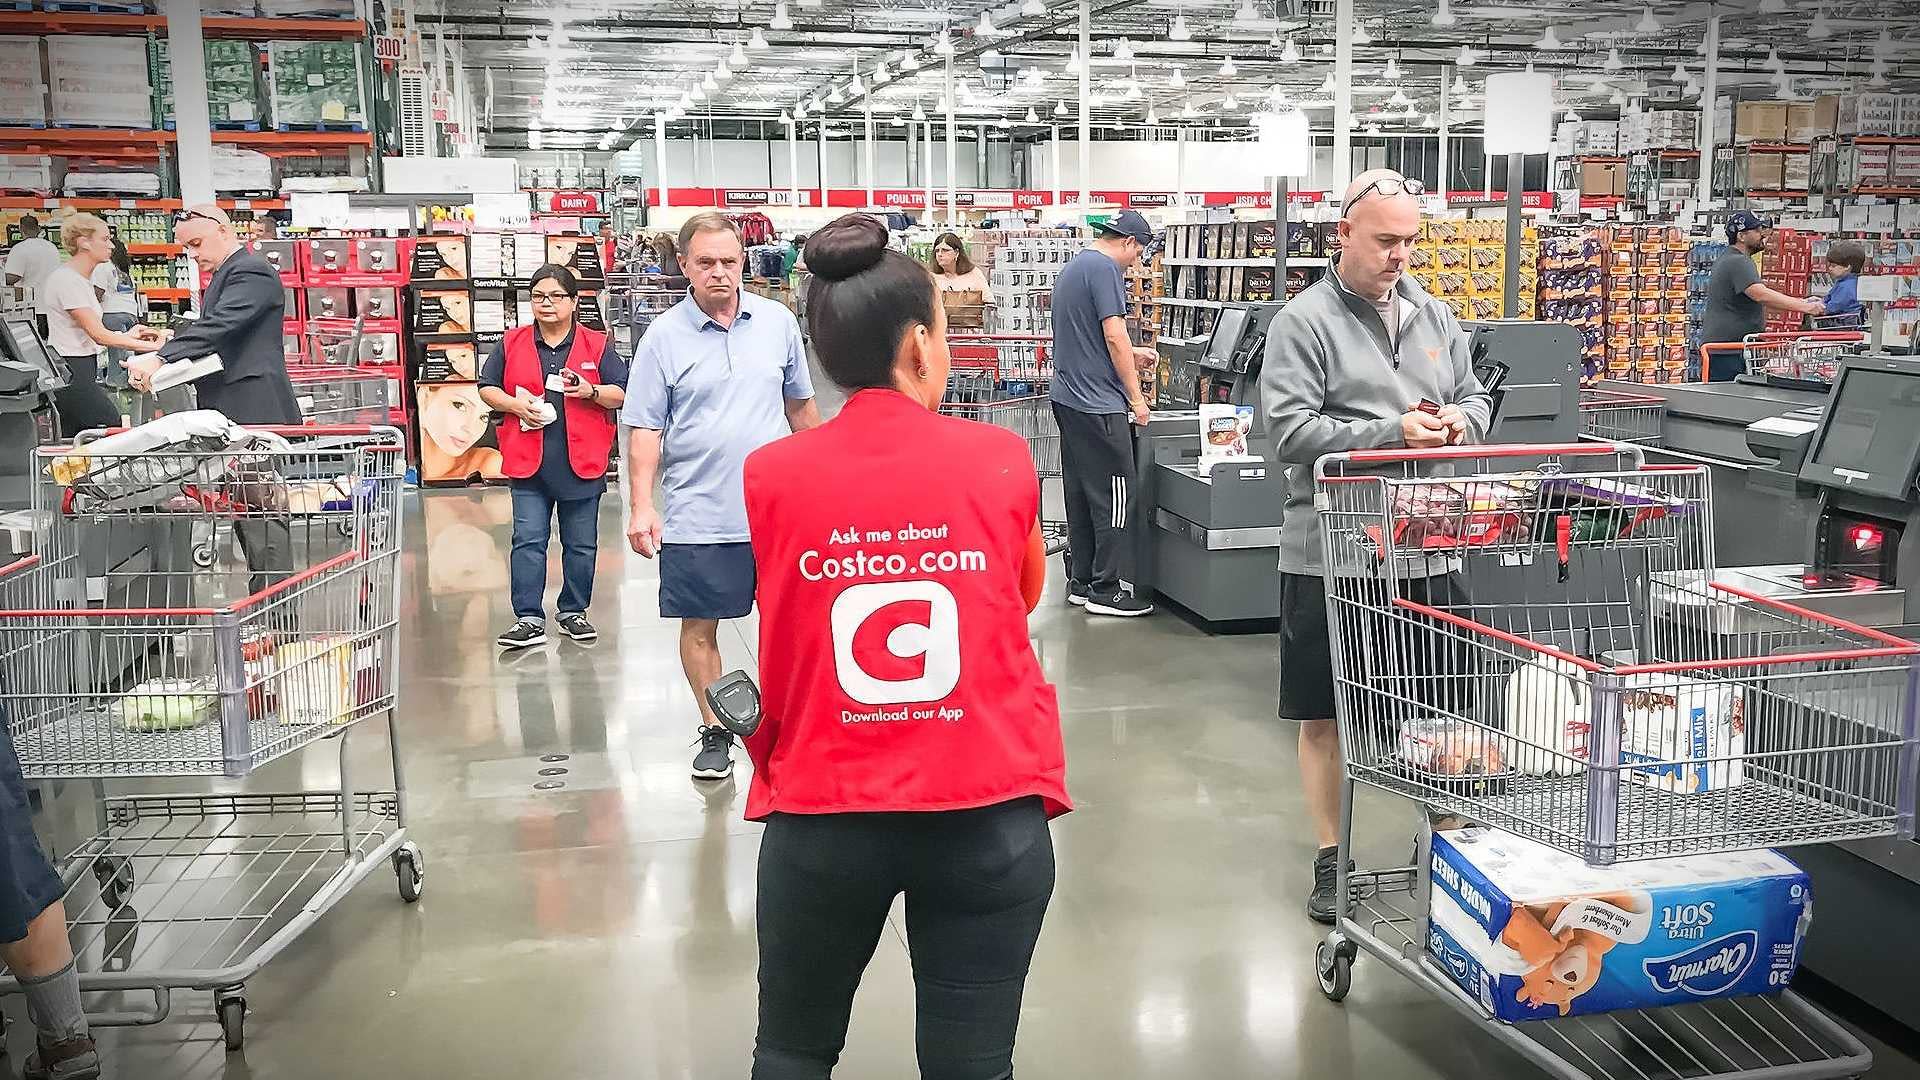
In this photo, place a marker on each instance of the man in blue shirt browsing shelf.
(1096, 396)
(718, 376)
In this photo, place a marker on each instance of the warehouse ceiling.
(595, 75)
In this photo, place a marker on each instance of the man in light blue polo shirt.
(717, 377)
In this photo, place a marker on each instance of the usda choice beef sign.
(1705, 970)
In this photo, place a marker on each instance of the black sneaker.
(1326, 883)
(523, 633)
(575, 625)
(1120, 602)
(1077, 594)
(715, 759)
(74, 1059)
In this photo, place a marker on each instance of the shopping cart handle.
(1477, 452)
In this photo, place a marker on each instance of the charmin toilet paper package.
(1533, 933)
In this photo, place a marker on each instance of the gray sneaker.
(522, 634)
(715, 759)
(74, 1059)
(575, 625)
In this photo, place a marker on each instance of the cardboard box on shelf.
(23, 93)
(1869, 114)
(1907, 115)
(1766, 172)
(1903, 165)
(99, 82)
(1796, 171)
(1601, 178)
(1759, 122)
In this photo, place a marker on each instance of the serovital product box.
(439, 257)
(1533, 933)
(443, 311)
(577, 253)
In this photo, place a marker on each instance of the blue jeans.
(533, 513)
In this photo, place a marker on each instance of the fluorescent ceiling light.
(1548, 40)
(1327, 86)
(1883, 44)
(1648, 24)
(781, 20)
(1360, 35)
(809, 3)
(1392, 73)
(1059, 108)
(756, 40)
(1246, 13)
(1460, 85)
(910, 63)
(1431, 121)
(1033, 9)
(1179, 79)
(1879, 76)
(985, 27)
(723, 72)
(709, 84)
(918, 112)
(1152, 117)
(1468, 57)
(1820, 29)
(1290, 54)
(1229, 103)
(1614, 62)
(1773, 59)
(1680, 73)
(1572, 117)
(1179, 31)
(698, 93)
(1133, 90)
(1032, 117)
(1444, 16)
(1692, 89)
(943, 45)
(738, 57)
(1227, 68)
(1123, 49)
(1373, 129)
(1400, 99)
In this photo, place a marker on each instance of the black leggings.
(82, 404)
(977, 885)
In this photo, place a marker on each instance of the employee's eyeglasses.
(1387, 186)
(549, 297)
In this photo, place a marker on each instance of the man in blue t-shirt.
(1096, 394)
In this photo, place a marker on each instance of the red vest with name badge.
(896, 673)
(590, 427)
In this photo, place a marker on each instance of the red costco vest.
(896, 673)
(590, 427)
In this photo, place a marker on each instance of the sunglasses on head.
(181, 217)
(1387, 186)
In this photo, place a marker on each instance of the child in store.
(1845, 260)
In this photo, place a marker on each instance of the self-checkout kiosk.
(1209, 541)
(29, 375)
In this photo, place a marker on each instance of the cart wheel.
(410, 867)
(1334, 964)
(344, 528)
(232, 1011)
(115, 876)
(203, 555)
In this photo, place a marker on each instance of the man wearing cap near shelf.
(239, 320)
(1737, 302)
(1096, 396)
(1364, 359)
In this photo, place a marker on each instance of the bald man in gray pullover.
(1348, 363)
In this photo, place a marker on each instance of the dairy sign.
(568, 202)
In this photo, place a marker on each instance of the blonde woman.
(76, 330)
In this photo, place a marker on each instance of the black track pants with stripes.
(1096, 463)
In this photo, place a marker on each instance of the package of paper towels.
(1533, 933)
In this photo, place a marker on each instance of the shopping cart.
(1550, 704)
(1004, 380)
(332, 397)
(1801, 357)
(1618, 416)
(213, 673)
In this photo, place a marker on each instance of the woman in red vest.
(558, 385)
(910, 742)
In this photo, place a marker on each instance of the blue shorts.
(28, 885)
(706, 581)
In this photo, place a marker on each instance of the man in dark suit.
(240, 319)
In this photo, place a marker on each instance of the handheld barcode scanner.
(736, 703)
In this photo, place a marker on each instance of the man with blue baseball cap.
(1096, 397)
(1736, 299)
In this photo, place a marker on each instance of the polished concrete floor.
(604, 929)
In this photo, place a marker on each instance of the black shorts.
(706, 581)
(1306, 647)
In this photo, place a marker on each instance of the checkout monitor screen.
(22, 343)
(1226, 337)
(1870, 441)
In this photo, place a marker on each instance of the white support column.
(953, 209)
(1709, 99)
(1446, 126)
(869, 133)
(793, 162)
(1486, 178)
(1054, 144)
(928, 159)
(660, 156)
(823, 159)
(193, 140)
(1086, 101)
(1180, 166)
(1342, 97)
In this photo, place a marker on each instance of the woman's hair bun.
(846, 246)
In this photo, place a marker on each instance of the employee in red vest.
(910, 743)
(557, 385)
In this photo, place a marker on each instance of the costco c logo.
(896, 642)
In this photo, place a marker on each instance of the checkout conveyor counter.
(1815, 503)
(1210, 543)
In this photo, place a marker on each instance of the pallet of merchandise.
(98, 82)
(315, 86)
(23, 96)
(90, 7)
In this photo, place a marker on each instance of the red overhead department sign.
(967, 198)
(567, 202)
